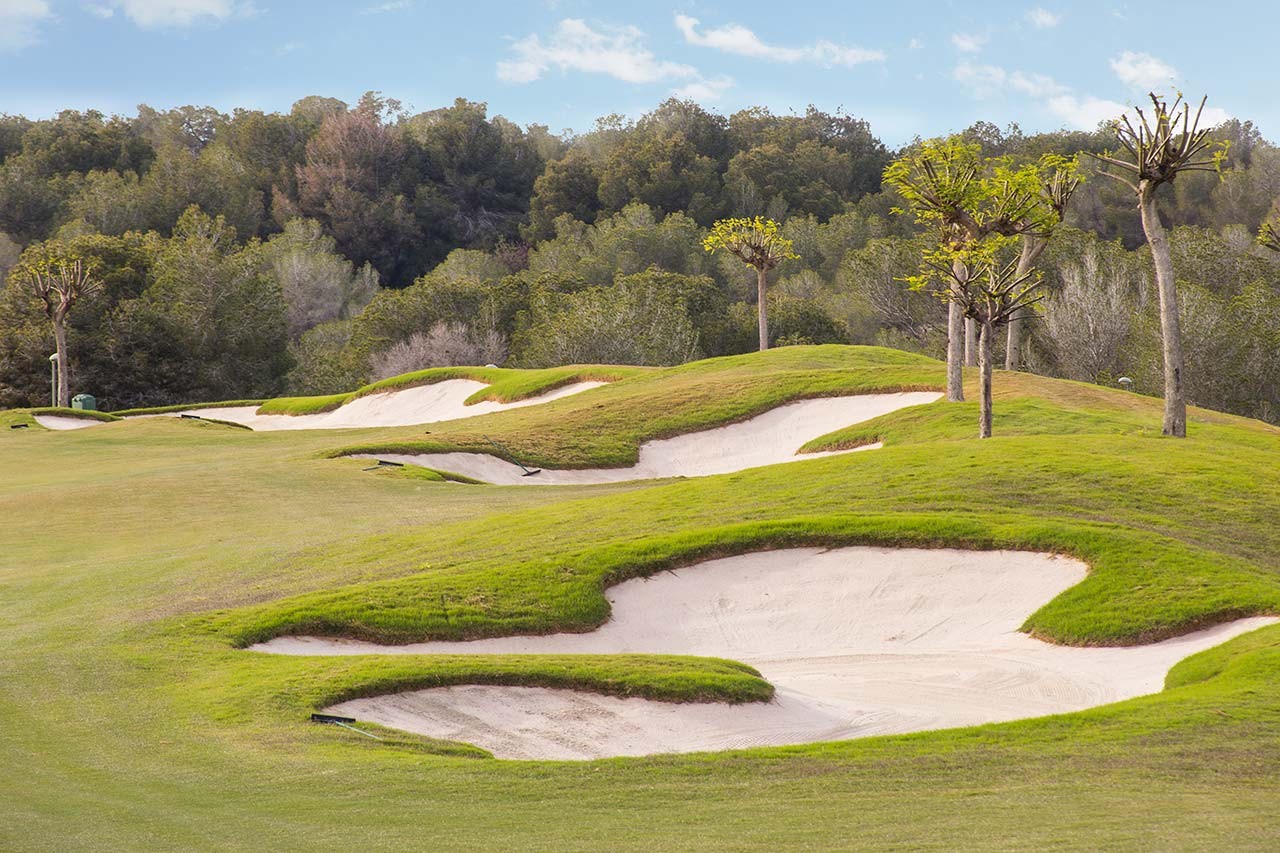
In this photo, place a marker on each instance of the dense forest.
(256, 254)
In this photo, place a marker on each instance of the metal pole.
(357, 731)
(54, 366)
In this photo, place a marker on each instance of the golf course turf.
(140, 557)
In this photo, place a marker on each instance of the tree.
(626, 324)
(990, 298)
(59, 278)
(1089, 315)
(627, 242)
(211, 324)
(1158, 148)
(757, 243)
(876, 307)
(445, 344)
(353, 183)
(568, 185)
(318, 284)
(991, 302)
(1058, 183)
(968, 201)
(475, 176)
(941, 182)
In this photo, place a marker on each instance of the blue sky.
(910, 68)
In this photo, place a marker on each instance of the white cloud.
(982, 81)
(704, 90)
(1213, 116)
(915, 44)
(1084, 113)
(20, 22)
(985, 80)
(392, 6)
(150, 14)
(1043, 19)
(967, 42)
(99, 11)
(1143, 71)
(734, 38)
(574, 45)
(1076, 111)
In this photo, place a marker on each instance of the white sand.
(857, 641)
(424, 404)
(61, 422)
(766, 439)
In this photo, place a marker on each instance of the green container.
(85, 401)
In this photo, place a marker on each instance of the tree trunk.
(60, 340)
(1175, 402)
(762, 282)
(1032, 248)
(955, 340)
(970, 343)
(986, 352)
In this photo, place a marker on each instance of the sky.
(910, 68)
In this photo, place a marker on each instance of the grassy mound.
(607, 431)
(505, 385)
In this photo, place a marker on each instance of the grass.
(504, 385)
(418, 472)
(607, 429)
(136, 559)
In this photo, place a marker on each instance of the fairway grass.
(139, 557)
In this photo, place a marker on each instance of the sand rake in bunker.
(528, 472)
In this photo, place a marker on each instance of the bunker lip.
(767, 439)
(65, 422)
(858, 641)
(421, 404)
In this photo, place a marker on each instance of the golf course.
(577, 427)
(860, 627)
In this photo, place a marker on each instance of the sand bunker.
(424, 404)
(767, 439)
(857, 641)
(61, 422)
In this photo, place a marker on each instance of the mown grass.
(134, 557)
(419, 472)
(504, 385)
(1142, 587)
(607, 429)
(1030, 405)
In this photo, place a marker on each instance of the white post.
(53, 379)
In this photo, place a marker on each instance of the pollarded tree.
(59, 277)
(994, 294)
(1158, 148)
(942, 182)
(967, 201)
(991, 301)
(1058, 183)
(758, 244)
